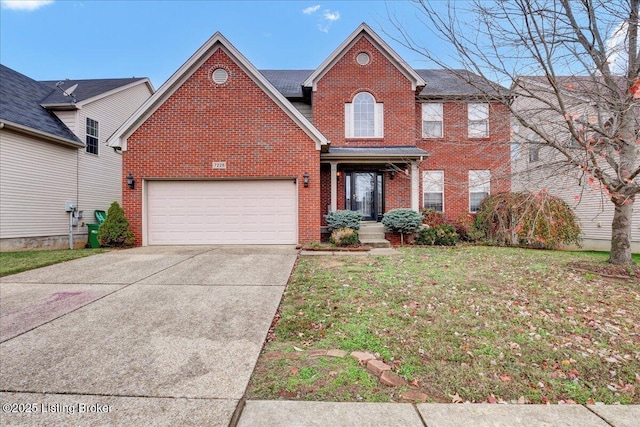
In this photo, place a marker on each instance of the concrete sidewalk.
(147, 336)
(310, 414)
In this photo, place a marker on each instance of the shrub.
(442, 235)
(528, 219)
(114, 231)
(343, 219)
(467, 229)
(432, 217)
(402, 221)
(344, 237)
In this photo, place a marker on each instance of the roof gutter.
(60, 107)
(44, 135)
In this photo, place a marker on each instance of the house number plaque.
(219, 165)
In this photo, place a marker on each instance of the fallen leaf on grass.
(492, 399)
(294, 371)
(297, 348)
(455, 398)
(505, 378)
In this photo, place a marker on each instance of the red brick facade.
(456, 154)
(236, 122)
(239, 122)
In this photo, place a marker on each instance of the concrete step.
(371, 234)
(375, 243)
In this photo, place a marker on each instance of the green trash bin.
(93, 235)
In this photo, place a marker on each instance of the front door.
(364, 194)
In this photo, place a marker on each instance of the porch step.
(371, 234)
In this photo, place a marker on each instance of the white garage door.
(221, 212)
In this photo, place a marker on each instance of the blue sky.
(101, 39)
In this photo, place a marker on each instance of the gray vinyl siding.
(101, 175)
(36, 179)
(305, 109)
(70, 119)
(593, 208)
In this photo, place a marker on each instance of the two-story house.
(225, 154)
(53, 154)
(537, 166)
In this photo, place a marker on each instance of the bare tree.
(581, 108)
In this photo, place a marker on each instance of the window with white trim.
(478, 120)
(92, 136)
(363, 118)
(432, 123)
(433, 190)
(479, 188)
(534, 148)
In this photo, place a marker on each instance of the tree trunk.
(621, 234)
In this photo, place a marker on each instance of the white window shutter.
(348, 120)
(379, 121)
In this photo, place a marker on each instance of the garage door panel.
(221, 212)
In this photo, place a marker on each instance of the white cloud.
(618, 48)
(28, 5)
(311, 9)
(325, 20)
(331, 16)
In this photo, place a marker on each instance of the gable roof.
(20, 109)
(217, 41)
(87, 91)
(364, 30)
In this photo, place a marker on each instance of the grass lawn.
(459, 324)
(16, 262)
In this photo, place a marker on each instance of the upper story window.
(479, 188)
(432, 122)
(534, 148)
(92, 136)
(478, 120)
(363, 117)
(433, 190)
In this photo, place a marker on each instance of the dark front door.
(364, 194)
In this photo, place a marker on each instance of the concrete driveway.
(147, 336)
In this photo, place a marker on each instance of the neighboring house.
(536, 167)
(225, 154)
(52, 151)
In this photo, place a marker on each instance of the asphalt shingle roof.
(440, 83)
(20, 98)
(288, 82)
(455, 83)
(86, 89)
(387, 151)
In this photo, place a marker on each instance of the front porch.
(369, 180)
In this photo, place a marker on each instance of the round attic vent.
(220, 76)
(363, 58)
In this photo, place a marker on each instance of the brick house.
(226, 154)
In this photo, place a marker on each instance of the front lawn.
(16, 262)
(479, 324)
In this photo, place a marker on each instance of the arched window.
(363, 117)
